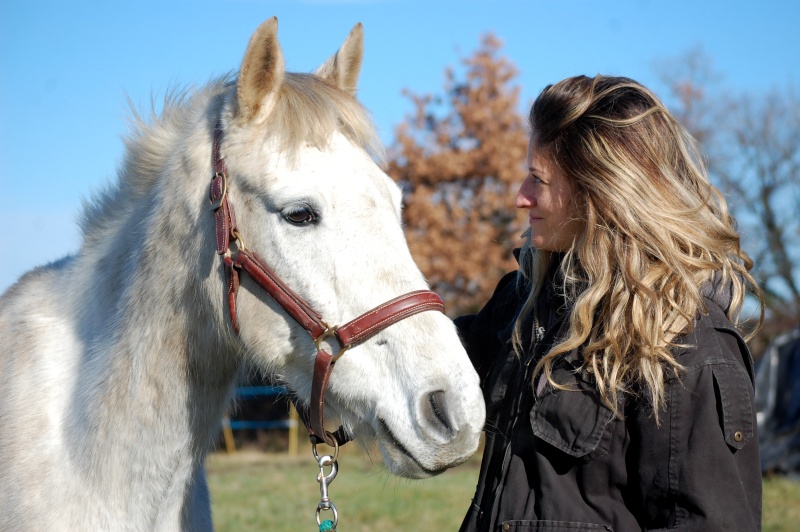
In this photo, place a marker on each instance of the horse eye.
(301, 216)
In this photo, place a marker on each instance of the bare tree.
(759, 166)
(461, 159)
(752, 145)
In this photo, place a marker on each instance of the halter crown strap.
(224, 218)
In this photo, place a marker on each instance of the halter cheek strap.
(349, 335)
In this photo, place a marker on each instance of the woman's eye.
(301, 216)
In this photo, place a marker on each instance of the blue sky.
(67, 69)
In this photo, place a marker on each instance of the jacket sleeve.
(709, 476)
(478, 332)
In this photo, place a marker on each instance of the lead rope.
(325, 480)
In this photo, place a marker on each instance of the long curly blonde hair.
(655, 231)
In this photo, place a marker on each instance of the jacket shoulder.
(714, 339)
(718, 365)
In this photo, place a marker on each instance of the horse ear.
(343, 67)
(261, 73)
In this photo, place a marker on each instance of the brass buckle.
(330, 332)
(215, 205)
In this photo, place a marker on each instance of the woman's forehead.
(537, 158)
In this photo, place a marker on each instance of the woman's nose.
(525, 199)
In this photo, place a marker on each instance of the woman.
(619, 389)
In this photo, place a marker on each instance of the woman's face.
(550, 200)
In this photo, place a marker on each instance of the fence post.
(294, 426)
(230, 443)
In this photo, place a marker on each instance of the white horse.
(117, 363)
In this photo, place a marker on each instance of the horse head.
(310, 199)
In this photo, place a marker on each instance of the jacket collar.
(549, 297)
(718, 292)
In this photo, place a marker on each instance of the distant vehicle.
(778, 405)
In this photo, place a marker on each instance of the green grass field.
(254, 491)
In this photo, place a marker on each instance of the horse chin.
(395, 451)
(401, 461)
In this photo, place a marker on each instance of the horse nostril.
(436, 413)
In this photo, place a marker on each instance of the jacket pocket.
(535, 526)
(573, 421)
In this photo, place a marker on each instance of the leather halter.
(352, 333)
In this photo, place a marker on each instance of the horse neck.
(160, 359)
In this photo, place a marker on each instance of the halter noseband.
(352, 333)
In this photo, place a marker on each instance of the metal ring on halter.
(239, 240)
(330, 332)
(335, 451)
(328, 506)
